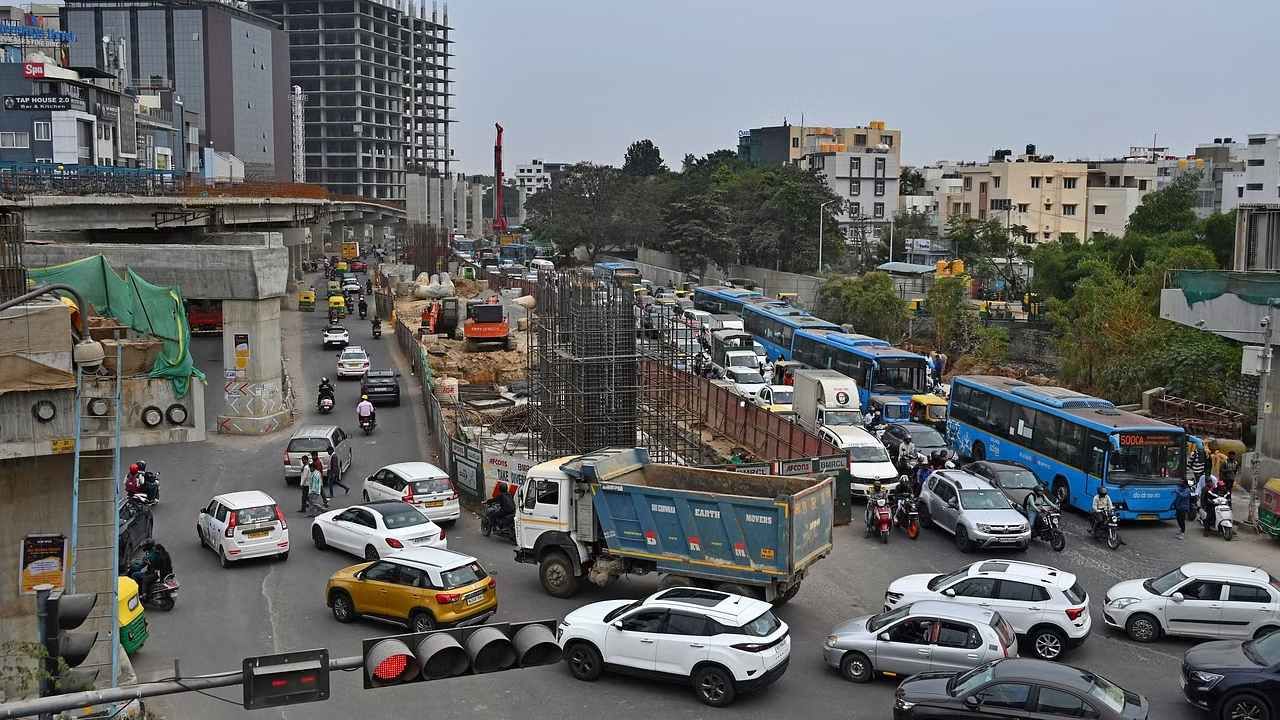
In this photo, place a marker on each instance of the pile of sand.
(479, 365)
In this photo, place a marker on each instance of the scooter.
(160, 595)
(879, 518)
(1223, 522)
(1050, 529)
(325, 404)
(907, 516)
(367, 424)
(364, 313)
(492, 520)
(1108, 529)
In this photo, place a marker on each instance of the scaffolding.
(604, 372)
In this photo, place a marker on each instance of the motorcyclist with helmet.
(1037, 502)
(326, 389)
(134, 484)
(1102, 506)
(876, 492)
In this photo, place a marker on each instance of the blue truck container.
(611, 513)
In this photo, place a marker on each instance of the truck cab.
(825, 398)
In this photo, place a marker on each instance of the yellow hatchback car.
(423, 588)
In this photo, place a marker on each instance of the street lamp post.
(821, 218)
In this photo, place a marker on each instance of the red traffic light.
(439, 654)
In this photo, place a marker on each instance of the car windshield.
(460, 576)
(746, 377)
(963, 685)
(358, 355)
(1106, 692)
(763, 626)
(619, 610)
(945, 579)
(983, 500)
(887, 618)
(248, 516)
(926, 437)
(744, 361)
(430, 486)
(404, 517)
(1165, 583)
(868, 454)
(782, 397)
(1265, 650)
(335, 329)
(1016, 479)
(1147, 458)
(842, 417)
(308, 444)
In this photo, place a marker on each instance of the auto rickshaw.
(929, 410)
(334, 287)
(1269, 508)
(132, 618)
(342, 266)
(307, 300)
(338, 304)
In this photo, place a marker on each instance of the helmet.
(324, 380)
(133, 468)
(1102, 491)
(142, 465)
(364, 397)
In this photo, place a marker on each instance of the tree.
(696, 229)
(911, 182)
(1218, 233)
(869, 303)
(584, 210)
(952, 318)
(985, 247)
(1168, 209)
(643, 159)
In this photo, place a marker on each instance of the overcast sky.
(578, 80)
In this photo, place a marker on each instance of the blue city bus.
(880, 370)
(1072, 442)
(775, 325)
(616, 273)
(720, 299)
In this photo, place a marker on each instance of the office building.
(375, 75)
(533, 177)
(1031, 191)
(785, 143)
(228, 66)
(64, 117)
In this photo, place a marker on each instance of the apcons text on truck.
(606, 514)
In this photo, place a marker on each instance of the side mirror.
(972, 702)
(949, 592)
(617, 624)
(204, 511)
(884, 637)
(1177, 597)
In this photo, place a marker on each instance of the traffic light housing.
(286, 679)
(66, 650)
(439, 654)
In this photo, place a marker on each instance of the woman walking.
(334, 477)
(316, 487)
(1182, 506)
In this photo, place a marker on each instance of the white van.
(537, 264)
(868, 460)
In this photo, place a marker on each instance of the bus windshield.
(900, 376)
(1147, 458)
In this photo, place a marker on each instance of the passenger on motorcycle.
(1037, 502)
(134, 484)
(1102, 505)
(326, 388)
(504, 493)
(152, 565)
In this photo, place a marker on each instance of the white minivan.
(868, 460)
(420, 484)
(243, 525)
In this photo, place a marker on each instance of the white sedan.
(336, 335)
(376, 529)
(353, 362)
(746, 381)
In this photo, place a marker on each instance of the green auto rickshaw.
(1269, 508)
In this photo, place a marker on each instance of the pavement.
(265, 607)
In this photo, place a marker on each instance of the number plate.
(434, 503)
(1148, 516)
(475, 598)
(257, 533)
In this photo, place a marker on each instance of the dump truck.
(600, 516)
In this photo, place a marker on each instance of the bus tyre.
(1061, 494)
(979, 452)
(556, 573)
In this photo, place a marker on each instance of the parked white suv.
(973, 510)
(1047, 608)
(1198, 599)
(722, 644)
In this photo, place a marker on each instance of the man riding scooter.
(364, 308)
(365, 414)
(377, 327)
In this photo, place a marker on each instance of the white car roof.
(429, 558)
(416, 470)
(1029, 572)
(1225, 571)
(245, 499)
(734, 610)
(854, 436)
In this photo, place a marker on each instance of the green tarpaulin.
(137, 304)
(1255, 288)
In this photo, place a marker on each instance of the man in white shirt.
(365, 409)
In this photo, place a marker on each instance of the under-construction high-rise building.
(375, 74)
(599, 379)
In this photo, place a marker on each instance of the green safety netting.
(1255, 288)
(137, 304)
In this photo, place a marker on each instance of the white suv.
(243, 525)
(721, 643)
(1046, 607)
(1198, 599)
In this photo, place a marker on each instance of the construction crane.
(499, 214)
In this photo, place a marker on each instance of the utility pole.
(821, 217)
(1264, 409)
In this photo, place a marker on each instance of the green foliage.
(585, 209)
(696, 228)
(643, 159)
(1218, 233)
(1170, 209)
(910, 182)
(992, 344)
(952, 319)
(987, 250)
(869, 303)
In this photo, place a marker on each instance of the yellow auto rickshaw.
(133, 620)
(1269, 508)
(334, 287)
(342, 266)
(307, 300)
(930, 410)
(338, 304)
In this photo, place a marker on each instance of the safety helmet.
(324, 380)
(133, 468)
(364, 397)
(142, 465)
(1102, 491)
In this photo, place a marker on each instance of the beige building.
(1115, 189)
(792, 143)
(1046, 197)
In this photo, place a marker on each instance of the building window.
(1068, 183)
(860, 140)
(879, 167)
(1000, 204)
(1068, 210)
(855, 167)
(878, 209)
(1024, 207)
(887, 140)
(1048, 179)
(42, 130)
(855, 187)
(15, 140)
(995, 182)
(855, 209)
(795, 142)
(1142, 185)
(879, 188)
(1047, 236)
(955, 208)
(966, 209)
(1239, 191)
(968, 183)
(1099, 209)
(1257, 141)
(1035, 181)
(1257, 162)
(1251, 187)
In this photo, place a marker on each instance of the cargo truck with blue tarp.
(610, 513)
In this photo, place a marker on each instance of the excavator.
(487, 324)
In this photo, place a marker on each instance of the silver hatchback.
(925, 636)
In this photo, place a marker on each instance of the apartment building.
(533, 177)
(1115, 188)
(1045, 196)
(785, 143)
(1257, 179)
(864, 178)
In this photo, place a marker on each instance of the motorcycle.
(1049, 529)
(907, 516)
(1108, 529)
(325, 404)
(377, 330)
(1223, 522)
(367, 424)
(160, 593)
(492, 519)
(879, 518)
(364, 313)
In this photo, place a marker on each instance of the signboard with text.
(36, 103)
(33, 71)
(43, 560)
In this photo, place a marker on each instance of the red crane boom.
(499, 214)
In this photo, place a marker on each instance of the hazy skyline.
(575, 81)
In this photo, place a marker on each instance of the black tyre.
(1143, 628)
(163, 602)
(584, 661)
(317, 537)
(1227, 533)
(370, 552)
(421, 621)
(884, 537)
(1058, 542)
(1113, 538)
(785, 597)
(344, 611)
(222, 559)
(1245, 706)
(736, 589)
(855, 667)
(486, 527)
(557, 576)
(962, 540)
(282, 557)
(714, 686)
(1047, 643)
(364, 495)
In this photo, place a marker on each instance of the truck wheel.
(785, 597)
(556, 573)
(666, 582)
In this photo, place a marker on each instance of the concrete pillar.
(522, 195)
(255, 401)
(460, 204)
(477, 211)
(435, 215)
(448, 186)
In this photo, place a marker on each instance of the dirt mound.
(469, 288)
(452, 358)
